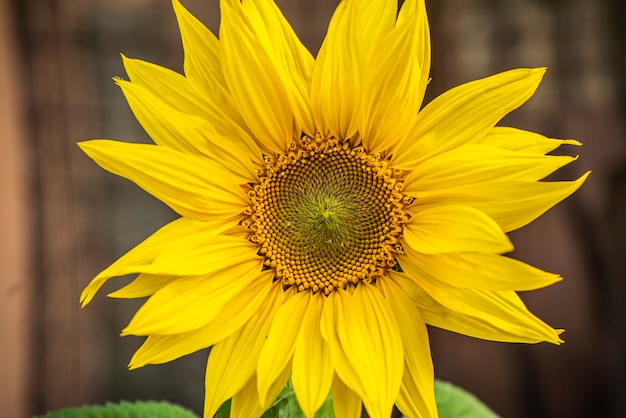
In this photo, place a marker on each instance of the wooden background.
(62, 219)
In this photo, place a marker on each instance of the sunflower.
(326, 216)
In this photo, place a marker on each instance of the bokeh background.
(62, 219)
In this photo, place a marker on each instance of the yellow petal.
(417, 392)
(144, 285)
(187, 304)
(159, 349)
(202, 58)
(413, 12)
(379, 17)
(449, 229)
(204, 71)
(232, 362)
(473, 164)
(312, 372)
(169, 86)
(146, 252)
(490, 315)
(192, 186)
(199, 254)
(512, 204)
(524, 141)
(255, 83)
(186, 132)
(280, 344)
(366, 320)
(194, 254)
(246, 403)
(293, 61)
(480, 271)
(337, 81)
(465, 114)
(331, 321)
(346, 403)
(397, 75)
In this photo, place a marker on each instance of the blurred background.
(62, 219)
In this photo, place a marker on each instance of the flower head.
(326, 216)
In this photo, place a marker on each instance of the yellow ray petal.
(293, 61)
(465, 114)
(164, 124)
(197, 255)
(181, 94)
(397, 74)
(480, 271)
(280, 344)
(346, 403)
(512, 204)
(171, 87)
(204, 71)
(331, 321)
(170, 252)
(337, 81)
(144, 285)
(255, 83)
(473, 164)
(246, 403)
(193, 187)
(379, 17)
(413, 12)
(490, 315)
(159, 349)
(312, 372)
(202, 58)
(366, 320)
(148, 250)
(188, 303)
(417, 392)
(453, 228)
(232, 362)
(186, 132)
(524, 141)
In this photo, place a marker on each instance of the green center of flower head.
(325, 219)
(327, 215)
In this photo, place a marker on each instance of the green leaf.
(224, 411)
(454, 402)
(149, 409)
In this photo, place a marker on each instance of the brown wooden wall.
(62, 219)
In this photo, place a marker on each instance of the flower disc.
(327, 214)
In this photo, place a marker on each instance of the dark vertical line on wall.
(506, 34)
(601, 237)
(617, 43)
(442, 50)
(616, 12)
(37, 384)
(616, 393)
